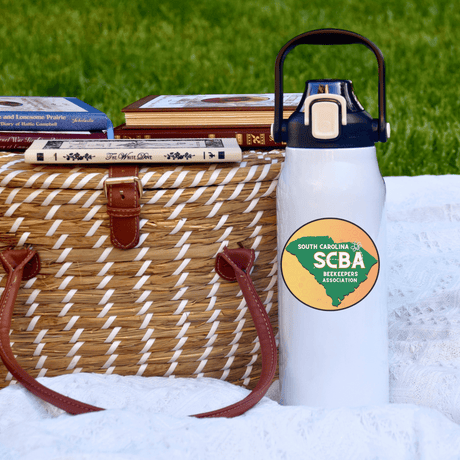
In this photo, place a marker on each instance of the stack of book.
(25, 119)
(246, 117)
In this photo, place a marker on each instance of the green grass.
(111, 53)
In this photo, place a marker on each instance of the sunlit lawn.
(111, 53)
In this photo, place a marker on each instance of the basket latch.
(123, 190)
(123, 180)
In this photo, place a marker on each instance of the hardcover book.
(30, 113)
(22, 140)
(134, 151)
(232, 110)
(247, 136)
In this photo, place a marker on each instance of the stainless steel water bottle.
(331, 240)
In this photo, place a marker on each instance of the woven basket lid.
(257, 166)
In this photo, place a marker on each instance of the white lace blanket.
(147, 417)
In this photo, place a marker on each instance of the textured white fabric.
(147, 416)
(424, 291)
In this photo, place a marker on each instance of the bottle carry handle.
(326, 37)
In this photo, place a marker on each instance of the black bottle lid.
(330, 116)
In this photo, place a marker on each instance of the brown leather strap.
(25, 264)
(123, 205)
(234, 264)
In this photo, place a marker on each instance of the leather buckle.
(124, 180)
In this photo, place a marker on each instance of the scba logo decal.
(330, 264)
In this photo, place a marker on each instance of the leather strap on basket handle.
(233, 264)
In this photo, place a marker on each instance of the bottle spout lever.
(325, 114)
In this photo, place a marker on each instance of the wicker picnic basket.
(158, 309)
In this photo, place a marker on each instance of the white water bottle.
(331, 241)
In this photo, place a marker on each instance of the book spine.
(246, 138)
(165, 155)
(22, 141)
(53, 121)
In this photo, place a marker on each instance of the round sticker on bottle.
(330, 264)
